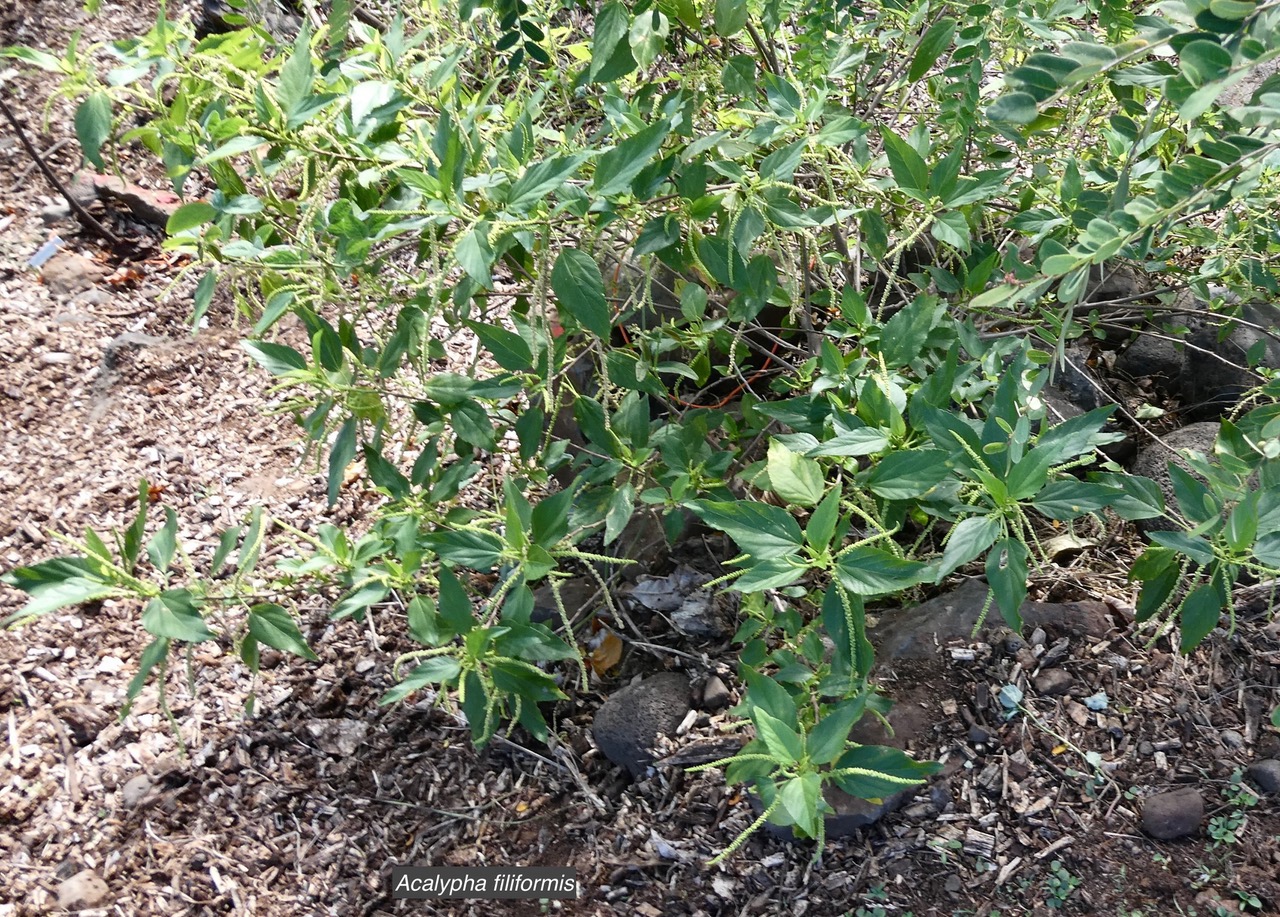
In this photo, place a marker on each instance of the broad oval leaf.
(579, 287)
(273, 625)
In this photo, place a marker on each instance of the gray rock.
(629, 723)
(83, 890)
(1167, 816)
(979, 735)
(67, 273)
(1153, 462)
(916, 633)
(136, 790)
(1054, 681)
(715, 695)
(1152, 355)
(1217, 369)
(851, 813)
(1232, 739)
(1266, 775)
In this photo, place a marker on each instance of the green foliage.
(717, 242)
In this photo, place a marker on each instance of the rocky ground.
(1085, 767)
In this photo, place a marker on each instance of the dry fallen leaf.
(607, 652)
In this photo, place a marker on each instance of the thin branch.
(84, 215)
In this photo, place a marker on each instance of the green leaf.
(905, 334)
(472, 424)
(477, 550)
(935, 41)
(1007, 574)
(616, 169)
(359, 600)
(163, 545)
(579, 287)
(867, 570)
(1065, 500)
(509, 349)
(908, 475)
(771, 574)
(622, 505)
(610, 55)
(57, 583)
(659, 233)
(799, 798)
(297, 77)
(783, 743)
(133, 535)
(174, 615)
(436, 670)
(1233, 11)
(189, 216)
(763, 531)
(1060, 444)
(1200, 612)
(274, 626)
(822, 522)
(475, 256)
(648, 35)
(794, 478)
(385, 475)
(542, 179)
(1160, 572)
(1204, 61)
(1014, 108)
(37, 58)
(730, 17)
(340, 456)
(155, 653)
(251, 549)
(1193, 546)
(781, 164)
(424, 622)
(967, 541)
(909, 169)
(226, 544)
(878, 771)
(830, 737)
(93, 126)
(203, 297)
(277, 359)
(766, 694)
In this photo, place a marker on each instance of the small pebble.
(978, 735)
(135, 790)
(1053, 681)
(1232, 739)
(715, 695)
(83, 890)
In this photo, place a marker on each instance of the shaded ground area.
(304, 807)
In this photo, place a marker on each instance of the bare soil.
(304, 806)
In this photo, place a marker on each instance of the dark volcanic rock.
(628, 724)
(1152, 356)
(1266, 775)
(1167, 816)
(1153, 462)
(916, 633)
(1217, 369)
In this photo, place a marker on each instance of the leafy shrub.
(723, 244)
